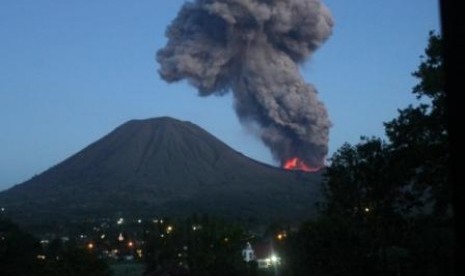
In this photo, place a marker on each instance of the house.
(263, 253)
(248, 253)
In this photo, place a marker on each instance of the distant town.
(133, 246)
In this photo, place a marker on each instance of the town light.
(274, 259)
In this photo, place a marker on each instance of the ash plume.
(254, 48)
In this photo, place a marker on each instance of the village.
(168, 244)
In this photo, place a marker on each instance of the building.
(263, 253)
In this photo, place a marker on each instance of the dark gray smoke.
(254, 48)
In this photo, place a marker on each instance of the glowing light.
(90, 245)
(298, 164)
(130, 244)
(120, 221)
(367, 210)
(274, 259)
(281, 236)
(120, 237)
(41, 257)
(169, 229)
(44, 241)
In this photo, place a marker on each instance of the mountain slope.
(162, 167)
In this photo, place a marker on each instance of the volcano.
(162, 167)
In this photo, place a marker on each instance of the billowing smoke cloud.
(254, 48)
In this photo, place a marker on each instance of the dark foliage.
(18, 251)
(418, 136)
(76, 262)
(388, 204)
(21, 254)
(202, 247)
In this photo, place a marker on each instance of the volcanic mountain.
(162, 167)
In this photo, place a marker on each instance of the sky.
(72, 71)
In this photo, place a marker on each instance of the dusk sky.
(72, 71)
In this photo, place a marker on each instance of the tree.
(18, 251)
(206, 246)
(387, 207)
(77, 262)
(21, 254)
(418, 136)
(363, 229)
(360, 180)
(411, 169)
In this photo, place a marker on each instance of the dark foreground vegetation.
(388, 208)
(387, 211)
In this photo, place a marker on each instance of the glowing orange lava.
(297, 164)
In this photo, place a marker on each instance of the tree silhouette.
(388, 204)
